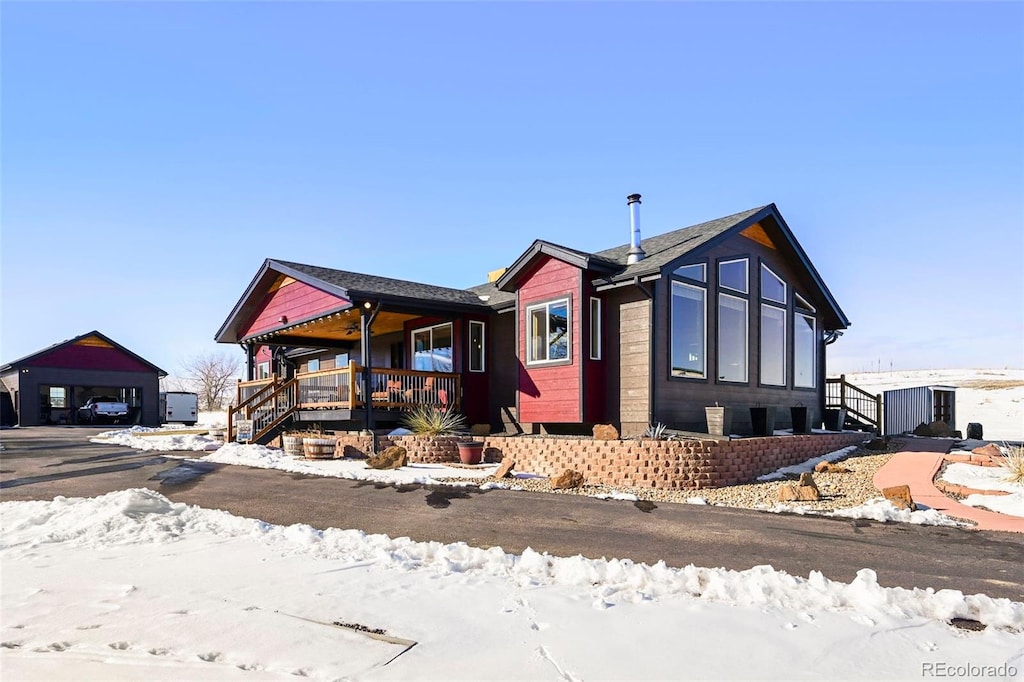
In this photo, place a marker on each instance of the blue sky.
(153, 154)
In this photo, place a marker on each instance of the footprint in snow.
(159, 652)
(88, 627)
(10, 645)
(120, 646)
(211, 656)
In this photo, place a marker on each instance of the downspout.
(366, 318)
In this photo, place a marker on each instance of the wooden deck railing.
(858, 403)
(268, 402)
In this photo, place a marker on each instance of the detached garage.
(49, 386)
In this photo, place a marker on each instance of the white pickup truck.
(102, 407)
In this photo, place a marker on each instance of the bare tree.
(212, 375)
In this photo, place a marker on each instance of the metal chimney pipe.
(636, 254)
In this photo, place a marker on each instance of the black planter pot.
(762, 420)
(835, 419)
(798, 415)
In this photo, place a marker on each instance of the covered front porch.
(339, 395)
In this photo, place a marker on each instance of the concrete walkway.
(917, 466)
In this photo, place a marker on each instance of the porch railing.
(268, 402)
(858, 403)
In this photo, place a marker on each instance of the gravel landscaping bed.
(838, 491)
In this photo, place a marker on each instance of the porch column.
(366, 317)
(250, 362)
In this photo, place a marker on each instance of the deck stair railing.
(858, 403)
(267, 402)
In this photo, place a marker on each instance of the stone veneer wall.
(639, 463)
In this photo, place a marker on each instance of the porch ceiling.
(343, 326)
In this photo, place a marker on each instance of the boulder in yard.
(940, 429)
(990, 450)
(567, 479)
(878, 444)
(605, 432)
(922, 430)
(505, 468)
(830, 468)
(900, 497)
(393, 457)
(793, 492)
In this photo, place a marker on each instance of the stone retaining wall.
(640, 463)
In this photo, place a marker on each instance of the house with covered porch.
(730, 312)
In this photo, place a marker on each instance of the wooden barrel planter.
(293, 446)
(318, 448)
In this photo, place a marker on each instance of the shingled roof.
(362, 286)
(664, 248)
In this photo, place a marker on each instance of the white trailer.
(179, 407)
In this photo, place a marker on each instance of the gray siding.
(30, 382)
(679, 403)
(906, 408)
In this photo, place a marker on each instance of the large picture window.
(773, 345)
(732, 338)
(432, 348)
(804, 345)
(548, 332)
(689, 338)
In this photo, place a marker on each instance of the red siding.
(294, 300)
(552, 393)
(77, 356)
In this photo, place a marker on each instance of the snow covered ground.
(987, 478)
(131, 586)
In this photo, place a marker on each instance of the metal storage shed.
(906, 408)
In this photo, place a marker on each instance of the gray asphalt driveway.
(41, 463)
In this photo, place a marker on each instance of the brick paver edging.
(644, 463)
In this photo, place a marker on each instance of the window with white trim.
(772, 287)
(432, 348)
(263, 370)
(802, 303)
(313, 365)
(732, 338)
(476, 346)
(772, 347)
(732, 274)
(689, 331)
(595, 328)
(805, 343)
(547, 329)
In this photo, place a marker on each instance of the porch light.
(367, 305)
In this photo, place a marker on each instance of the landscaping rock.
(940, 429)
(804, 490)
(878, 444)
(567, 479)
(505, 469)
(393, 457)
(922, 430)
(830, 468)
(605, 432)
(975, 430)
(899, 495)
(991, 450)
